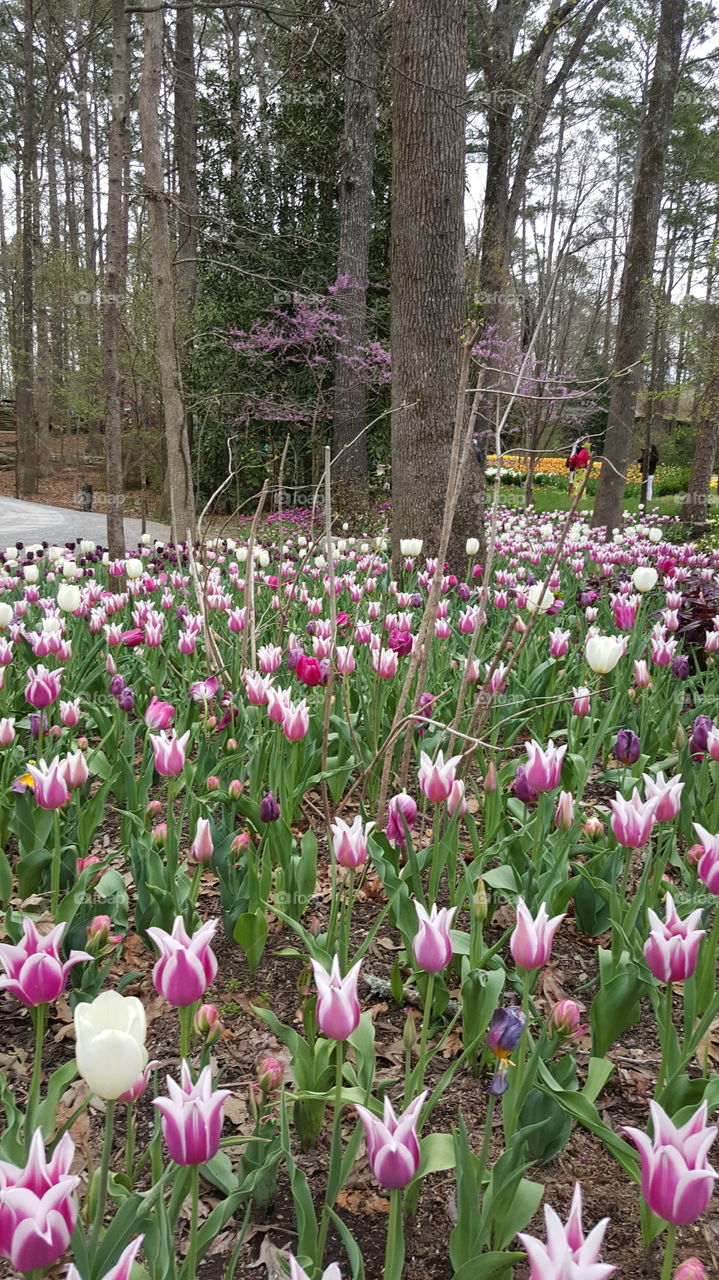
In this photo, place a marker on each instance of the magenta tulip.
(531, 942)
(192, 1117)
(50, 788)
(437, 777)
(349, 843)
(568, 1254)
(38, 1210)
(677, 1180)
(122, 1269)
(632, 820)
(35, 972)
(187, 965)
(543, 767)
(432, 945)
(338, 1010)
(672, 947)
(159, 715)
(169, 752)
(392, 1145)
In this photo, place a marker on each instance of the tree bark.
(694, 510)
(116, 241)
(427, 258)
(349, 448)
(635, 291)
(186, 161)
(26, 478)
(179, 472)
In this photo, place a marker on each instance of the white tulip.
(539, 598)
(145, 539)
(87, 546)
(52, 623)
(301, 540)
(54, 553)
(241, 555)
(645, 578)
(30, 573)
(133, 567)
(110, 1050)
(603, 653)
(655, 535)
(11, 553)
(7, 613)
(410, 547)
(70, 569)
(472, 546)
(320, 562)
(106, 557)
(263, 558)
(68, 597)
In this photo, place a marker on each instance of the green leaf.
(598, 1073)
(616, 1007)
(489, 1266)
(251, 933)
(436, 1154)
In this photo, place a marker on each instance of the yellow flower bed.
(554, 466)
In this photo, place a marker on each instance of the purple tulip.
(627, 748)
(521, 787)
(677, 1180)
(35, 972)
(401, 816)
(432, 945)
(567, 1251)
(701, 729)
(192, 1117)
(392, 1145)
(38, 1210)
(126, 699)
(672, 946)
(269, 808)
(187, 966)
(338, 1009)
(681, 667)
(505, 1030)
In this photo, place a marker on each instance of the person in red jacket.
(577, 462)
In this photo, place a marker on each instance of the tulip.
(392, 1145)
(627, 747)
(456, 801)
(269, 809)
(472, 546)
(641, 675)
(667, 793)
(558, 643)
(338, 1010)
(603, 653)
(75, 770)
(349, 843)
(691, 1269)
(699, 737)
(410, 547)
(69, 597)
(567, 1255)
(110, 1050)
(70, 713)
(564, 812)
(582, 701)
(270, 1075)
(645, 579)
(7, 731)
(122, 1269)
(677, 1180)
(384, 662)
(632, 820)
(401, 817)
(672, 947)
(505, 1030)
(159, 715)
(436, 778)
(565, 1020)
(539, 598)
(543, 767)
(531, 942)
(332, 1272)
(204, 690)
(35, 973)
(43, 687)
(38, 1210)
(432, 945)
(50, 785)
(192, 1117)
(708, 862)
(169, 752)
(296, 721)
(187, 965)
(202, 848)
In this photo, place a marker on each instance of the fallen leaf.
(356, 1200)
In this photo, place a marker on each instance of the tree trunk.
(26, 481)
(179, 471)
(427, 258)
(694, 511)
(116, 239)
(355, 216)
(635, 292)
(186, 161)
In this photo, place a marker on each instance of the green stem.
(190, 1267)
(56, 865)
(187, 1014)
(487, 1133)
(130, 1143)
(39, 1015)
(666, 1038)
(104, 1175)
(417, 1076)
(394, 1252)
(669, 1252)
(335, 1155)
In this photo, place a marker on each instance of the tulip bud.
(153, 810)
(593, 828)
(269, 808)
(564, 812)
(679, 738)
(564, 1020)
(270, 1074)
(98, 934)
(83, 744)
(158, 834)
(480, 902)
(235, 789)
(207, 1023)
(691, 1269)
(490, 778)
(409, 1032)
(231, 745)
(240, 843)
(694, 853)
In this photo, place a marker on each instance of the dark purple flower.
(126, 699)
(401, 642)
(269, 808)
(521, 787)
(293, 658)
(463, 591)
(505, 1029)
(324, 670)
(701, 729)
(34, 721)
(627, 748)
(117, 684)
(680, 666)
(416, 601)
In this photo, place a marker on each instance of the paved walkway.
(32, 522)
